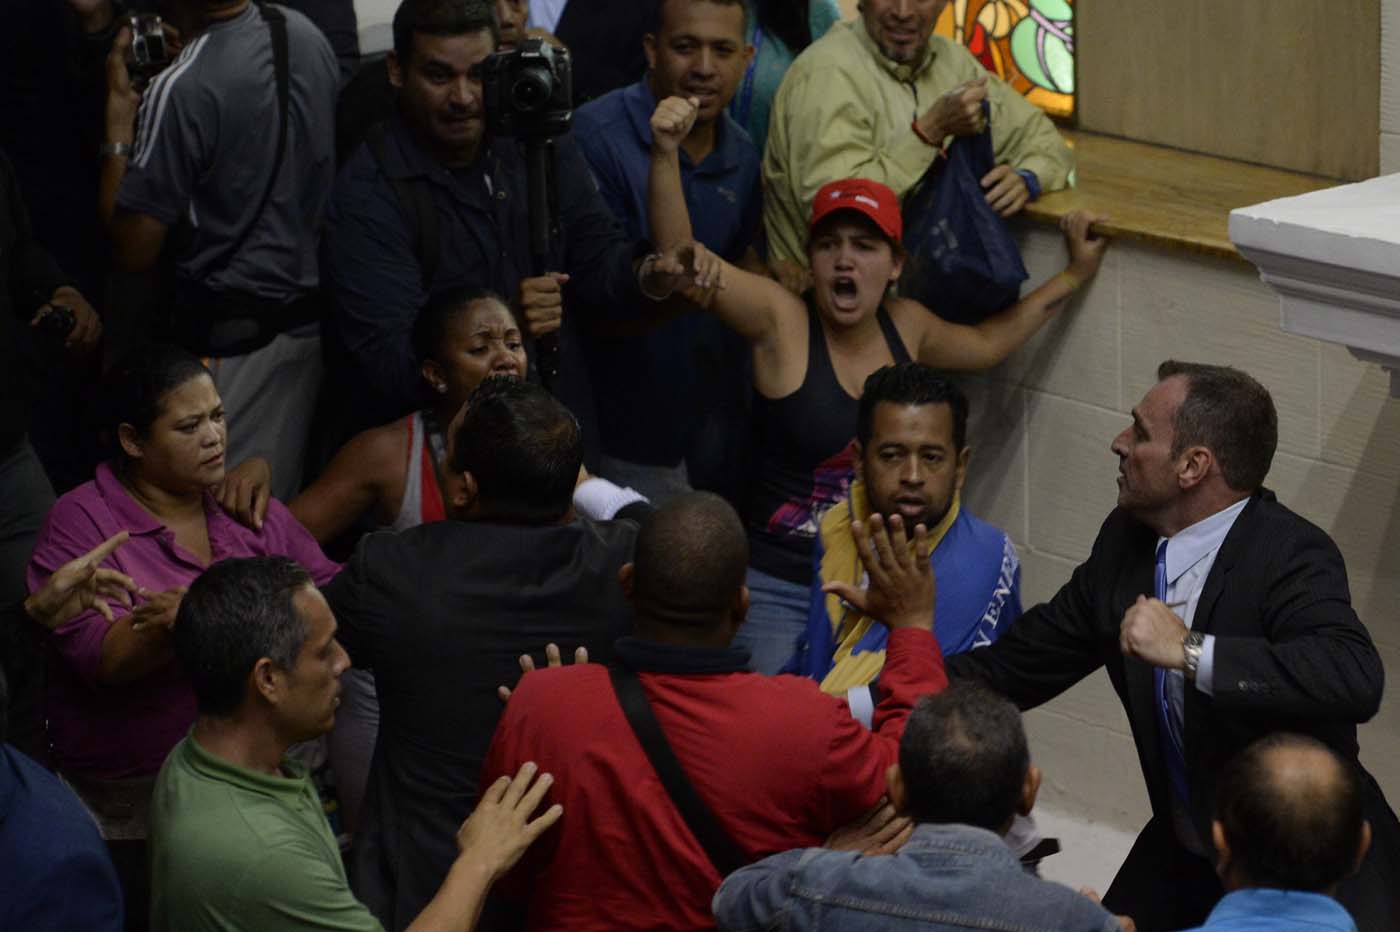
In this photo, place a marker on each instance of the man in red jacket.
(778, 763)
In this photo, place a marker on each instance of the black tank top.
(804, 457)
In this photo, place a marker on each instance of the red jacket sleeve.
(913, 669)
(853, 776)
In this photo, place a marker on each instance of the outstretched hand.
(672, 121)
(81, 585)
(551, 658)
(691, 267)
(902, 589)
(500, 829)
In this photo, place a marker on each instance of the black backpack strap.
(723, 853)
(281, 66)
(416, 201)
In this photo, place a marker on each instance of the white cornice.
(1333, 256)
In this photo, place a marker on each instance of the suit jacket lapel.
(1230, 550)
(1136, 580)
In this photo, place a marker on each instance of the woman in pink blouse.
(116, 700)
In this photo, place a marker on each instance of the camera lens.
(531, 89)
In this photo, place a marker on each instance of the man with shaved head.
(1289, 827)
(774, 762)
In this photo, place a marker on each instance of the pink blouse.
(106, 731)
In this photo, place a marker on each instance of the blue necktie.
(1166, 723)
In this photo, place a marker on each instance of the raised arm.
(945, 345)
(753, 306)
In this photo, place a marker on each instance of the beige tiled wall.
(1042, 423)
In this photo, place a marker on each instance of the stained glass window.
(1029, 43)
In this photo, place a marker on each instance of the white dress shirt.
(1190, 555)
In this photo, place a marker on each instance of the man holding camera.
(227, 167)
(437, 198)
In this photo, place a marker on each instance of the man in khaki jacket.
(875, 98)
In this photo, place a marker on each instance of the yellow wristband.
(1074, 280)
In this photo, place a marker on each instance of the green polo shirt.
(234, 849)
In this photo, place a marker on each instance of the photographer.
(434, 200)
(228, 162)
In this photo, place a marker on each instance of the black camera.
(150, 48)
(58, 323)
(528, 91)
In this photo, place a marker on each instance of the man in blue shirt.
(1289, 826)
(964, 772)
(666, 396)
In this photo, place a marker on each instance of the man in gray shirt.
(233, 165)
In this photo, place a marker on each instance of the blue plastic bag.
(963, 262)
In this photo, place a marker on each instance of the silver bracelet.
(647, 264)
(121, 150)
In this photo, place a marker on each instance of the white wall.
(1041, 469)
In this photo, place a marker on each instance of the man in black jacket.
(433, 201)
(1220, 616)
(440, 614)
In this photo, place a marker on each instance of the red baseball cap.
(870, 198)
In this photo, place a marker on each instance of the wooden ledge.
(1166, 197)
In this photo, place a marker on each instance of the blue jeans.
(777, 617)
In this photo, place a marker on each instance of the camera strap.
(721, 849)
(281, 66)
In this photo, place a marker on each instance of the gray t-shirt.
(206, 140)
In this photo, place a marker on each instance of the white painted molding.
(1333, 256)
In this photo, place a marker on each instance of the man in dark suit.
(1220, 616)
(440, 614)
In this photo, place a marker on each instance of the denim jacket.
(947, 877)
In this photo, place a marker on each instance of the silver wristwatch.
(1191, 649)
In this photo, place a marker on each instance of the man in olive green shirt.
(238, 836)
(875, 98)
